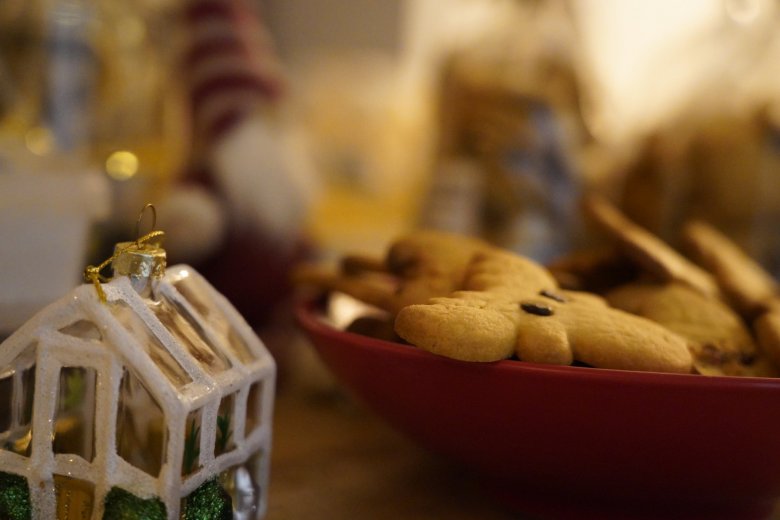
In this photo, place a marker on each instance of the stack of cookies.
(632, 303)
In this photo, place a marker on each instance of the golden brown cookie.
(489, 282)
(648, 251)
(513, 306)
(468, 326)
(719, 340)
(430, 263)
(746, 285)
(501, 272)
(416, 267)
(374, 288)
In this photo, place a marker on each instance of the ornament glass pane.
(27, 379)
(191, 456)
(198, 295)
(244, 490)
(150, 343)
(188, 331)
(17, 436)
(74, 421)
(75, 498)
(254, 408)
(140, 426)
(6, 395)
(223, 441)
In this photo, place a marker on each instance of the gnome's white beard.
(265, 178)
(266, 186)
(195, 223)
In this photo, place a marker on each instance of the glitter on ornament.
(14, 497)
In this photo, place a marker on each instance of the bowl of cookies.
(629, 381)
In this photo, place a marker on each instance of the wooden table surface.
(333, 459)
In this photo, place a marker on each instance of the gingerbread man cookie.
(513, 306)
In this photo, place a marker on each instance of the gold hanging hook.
(148, 205)
(92, 273)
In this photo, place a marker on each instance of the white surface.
(45, 221)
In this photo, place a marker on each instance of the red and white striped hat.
(230, 64)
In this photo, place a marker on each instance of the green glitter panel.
(208, 502)
(14, 497)
(123, 505)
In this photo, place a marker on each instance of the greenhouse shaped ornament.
(146, 396)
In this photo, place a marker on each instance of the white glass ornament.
(150, 386)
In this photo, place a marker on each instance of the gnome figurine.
(238, 210)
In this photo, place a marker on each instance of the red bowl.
(574, 442)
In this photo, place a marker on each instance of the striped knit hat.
(230, 65)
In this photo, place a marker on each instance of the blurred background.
(269, 131)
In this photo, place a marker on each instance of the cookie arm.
(457, 329)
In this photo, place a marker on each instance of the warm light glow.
(130, 30)
(121, 165)
(39, 140)
(745, 12)
(646, 57)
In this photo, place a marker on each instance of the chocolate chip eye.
(536, 308)
(552, 295)
(747, 358)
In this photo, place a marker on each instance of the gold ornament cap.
(143, 261)
(136, 260)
